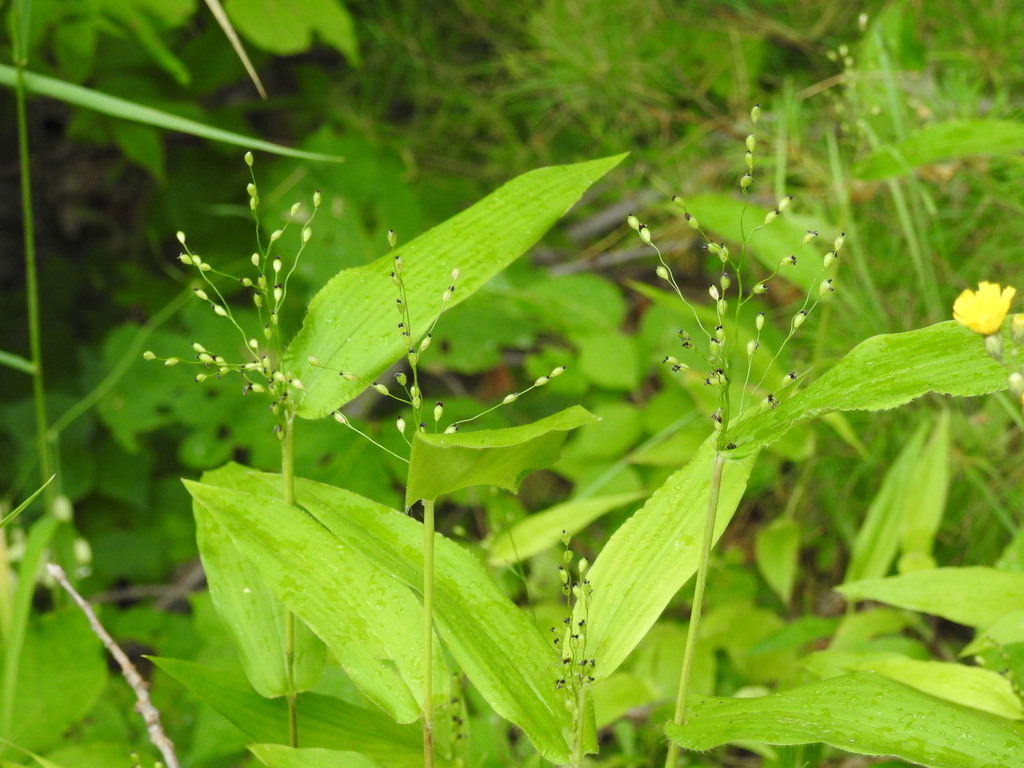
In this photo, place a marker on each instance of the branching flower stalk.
(730, 295)
(261, 366)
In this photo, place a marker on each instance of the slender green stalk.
(43, 445)
(428, 632)
(698, 601)
(288, 493)
(577, 747)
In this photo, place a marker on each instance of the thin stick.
(141, 688)
(428, 632)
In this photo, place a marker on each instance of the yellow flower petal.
(984, 310)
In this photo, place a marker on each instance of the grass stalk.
(428, 632)
(698, 601)
(288, 493)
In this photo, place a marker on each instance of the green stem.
(698, 601)
(577, 747)
(35, 342)
(428, 632)
(288, 492)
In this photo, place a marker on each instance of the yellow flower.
(983, 310)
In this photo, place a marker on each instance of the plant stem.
(577, 747)
(288, 492)
(698, 600)
(428, 632)
(43, 444)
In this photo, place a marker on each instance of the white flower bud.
(784, 203)
(276, 235)
(811, 234)
(400, 425)
(297, 384)
(746, 180)
(278, 292)
(277, 264)
(257, 388)
(798, 319)
(425, 343)
(510, 399)
(633, 221)
(294, 210)
(556, 372)
(181, 236)
(451, 430)
(692, 221)
(248, 159)
(252, 203)
(438, 411)
(662, 272)
(455, 274)
(725, 282)
(314, 361)
(306, 234)
(316, 199)
(713, 290)
(349, 376)
(751, 143)
(771, 216)
(645, 233)
(788, 261)
(838, 243)
(1016, 385)
(205, 357)
(219, 310)
(255, 259)
(829, 258)
(250, 188)
(171, 361)
(759, 321)
(380, 389)
(341, 418)
(541, 381)
(826, 287)
(62, 509)
(759, 288)
(755, 113)
(723, 306)
(749, 158)
(200, 378)
(752, 347)
(147, 355)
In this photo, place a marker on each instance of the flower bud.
(678, 200)
(720, 333)
(255, 259)
(557, 371)
(348, 376)
(425, 343)
(749, 158)
(341, 418)
(380, 389)
(789, 261)
(510, 399)
(811, 234)
(751, 143)
(829, 258)
(401, 378)
(839, 242)
(200, 378)
(181, 236)
(276, 264)
(725, 282)
(633, 221)
(541, 381)
(276, 235)
(994, 346)
(755, 113)
(205, 357)
(645, 233)
(771, 216)
(713, 290)
(294, 210)
(798, 318)
(826, 287)
(759, 288)
(723, 306)
(662, 272)
(451, 429)
(250, 188)
(747, 179)
(317, 199)
(752, 347)
(171, 361)
(147, 355)
(784, 203)
(759, 321)
(438, 411)
(392, 238)
(1017, 329)
(248, 159)
(219, 310)
(691, 221)
(278, 292)
(400, 425)
(1016, 385)
(306, 234)
(788, 379)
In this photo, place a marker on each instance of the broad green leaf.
(1008, 630)
(944, 141)
(878, 537)
(371, 622)
(880, 373)
(974, 596)
(60, 675)
(495, 643)
(41, 761)
(653, 554)
(323, 721)
(350, 325)
(443, 463)
(253, 617)
(17, 362)
(287, 28)
(720, 215)
(280, 756)
(543, 530)
(776, 549)
(974, 687)
(863, 713)
(86, 98)
(925, 503)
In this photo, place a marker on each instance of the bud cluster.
(576, 669)
(260, 366)
(731, 292)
